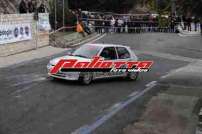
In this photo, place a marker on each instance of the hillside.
(122, 6)
(8, 6)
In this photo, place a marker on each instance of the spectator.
(31, 6)
(189, 20)
(42, 8)
(23, 7)
(107, 24)
(80, 29)
(185, 22)
(112, 23)
(120, 25)
(172, 25)
(86, 28)
(195, 23)
(99, 24)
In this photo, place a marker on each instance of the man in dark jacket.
(32, 6)
(42, 8)
(23, 7)
(189, 20)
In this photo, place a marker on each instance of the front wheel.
(86, 78)
(133, 76)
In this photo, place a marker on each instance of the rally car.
(109, 52)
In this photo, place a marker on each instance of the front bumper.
(64, 75)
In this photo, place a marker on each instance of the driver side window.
(109, 53)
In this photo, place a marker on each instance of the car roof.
(106, 45)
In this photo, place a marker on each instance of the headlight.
(50, 66)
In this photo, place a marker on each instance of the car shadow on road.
(94, 82)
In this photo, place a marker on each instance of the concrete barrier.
(39, 38)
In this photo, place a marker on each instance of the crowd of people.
(188, 21)
(88, 22)
(31, 6)
(125, 23)
(108, 23)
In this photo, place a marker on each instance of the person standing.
(79, 28)
(184, 22)
(116, 25)
(112, 23)
(195, 23)
(42, 8)
(120, 25)
(31, 6)
(106, 24)
(172, 25)
(189, 20)
(23, 7)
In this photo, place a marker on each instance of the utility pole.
(157, 5)
(55, 14)
(173, 7)
(63, 3)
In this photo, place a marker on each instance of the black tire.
(133, 76)
(86, 78)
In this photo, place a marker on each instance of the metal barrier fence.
(126, 29)
(126, 26)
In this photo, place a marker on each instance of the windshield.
(87, 51)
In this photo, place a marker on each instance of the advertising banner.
(43, 22)
(10, 33)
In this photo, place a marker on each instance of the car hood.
(80, 59)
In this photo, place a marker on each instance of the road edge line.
(88, 129)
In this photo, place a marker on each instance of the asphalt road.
(32, 104)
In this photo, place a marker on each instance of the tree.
(189, 6)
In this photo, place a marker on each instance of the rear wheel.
(86, 78)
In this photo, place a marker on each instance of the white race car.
(109, 52)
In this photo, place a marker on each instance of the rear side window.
(123, 53)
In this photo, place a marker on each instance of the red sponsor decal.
(98, 63)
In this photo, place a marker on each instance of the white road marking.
(188, 35)
(151, 83)
(133, 94)
(172, 72)
(87, 129)
(165, 76)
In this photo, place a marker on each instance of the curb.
(89, 40)
(73, 43)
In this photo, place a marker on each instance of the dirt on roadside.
(166, 114)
